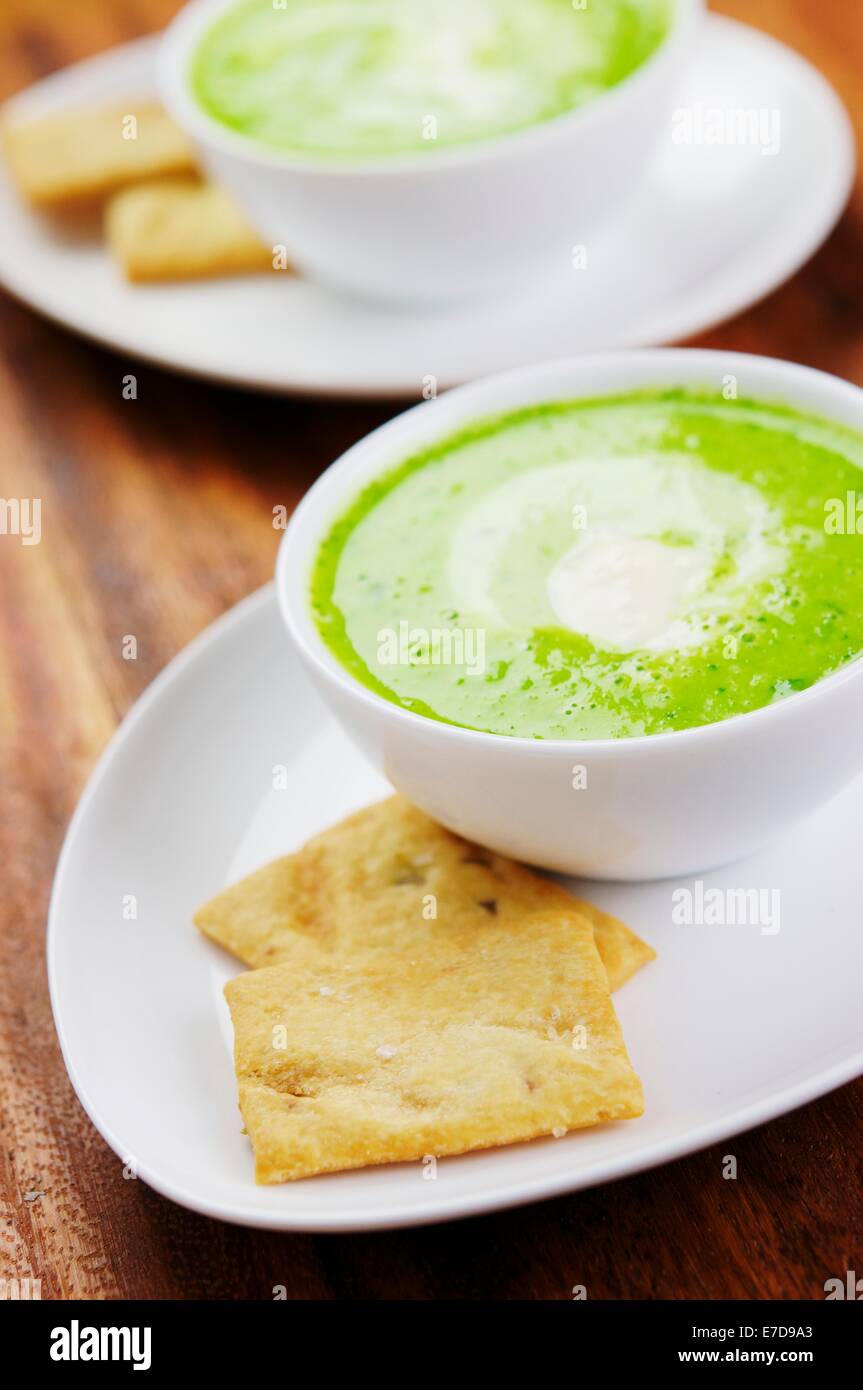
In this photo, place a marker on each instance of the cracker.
(390, 1059)
(181, 230)
(387, 879)
(622, 952)
(80, 156)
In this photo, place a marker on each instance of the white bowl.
(444, 224)
(654, 806)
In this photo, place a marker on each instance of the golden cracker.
(181, 230)
(622, 952)
(389, 1059)
(391, 879)
(84, 155)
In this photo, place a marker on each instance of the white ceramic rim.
(185, 31)
(410, 432)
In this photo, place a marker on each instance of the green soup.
(346, 78)
(603, 568)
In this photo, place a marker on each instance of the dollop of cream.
(632, 552)
(626, 592)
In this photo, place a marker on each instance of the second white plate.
(714, 228)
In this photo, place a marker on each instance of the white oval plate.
(728, 1028)
(714, 229)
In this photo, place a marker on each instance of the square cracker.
(181, 229)
(621, 951)
(389, 1059)
(82, 156)
(372, 882)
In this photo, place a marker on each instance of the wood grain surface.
(157, 517)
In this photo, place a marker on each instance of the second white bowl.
(445, 224)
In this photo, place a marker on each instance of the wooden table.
(157, 517)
